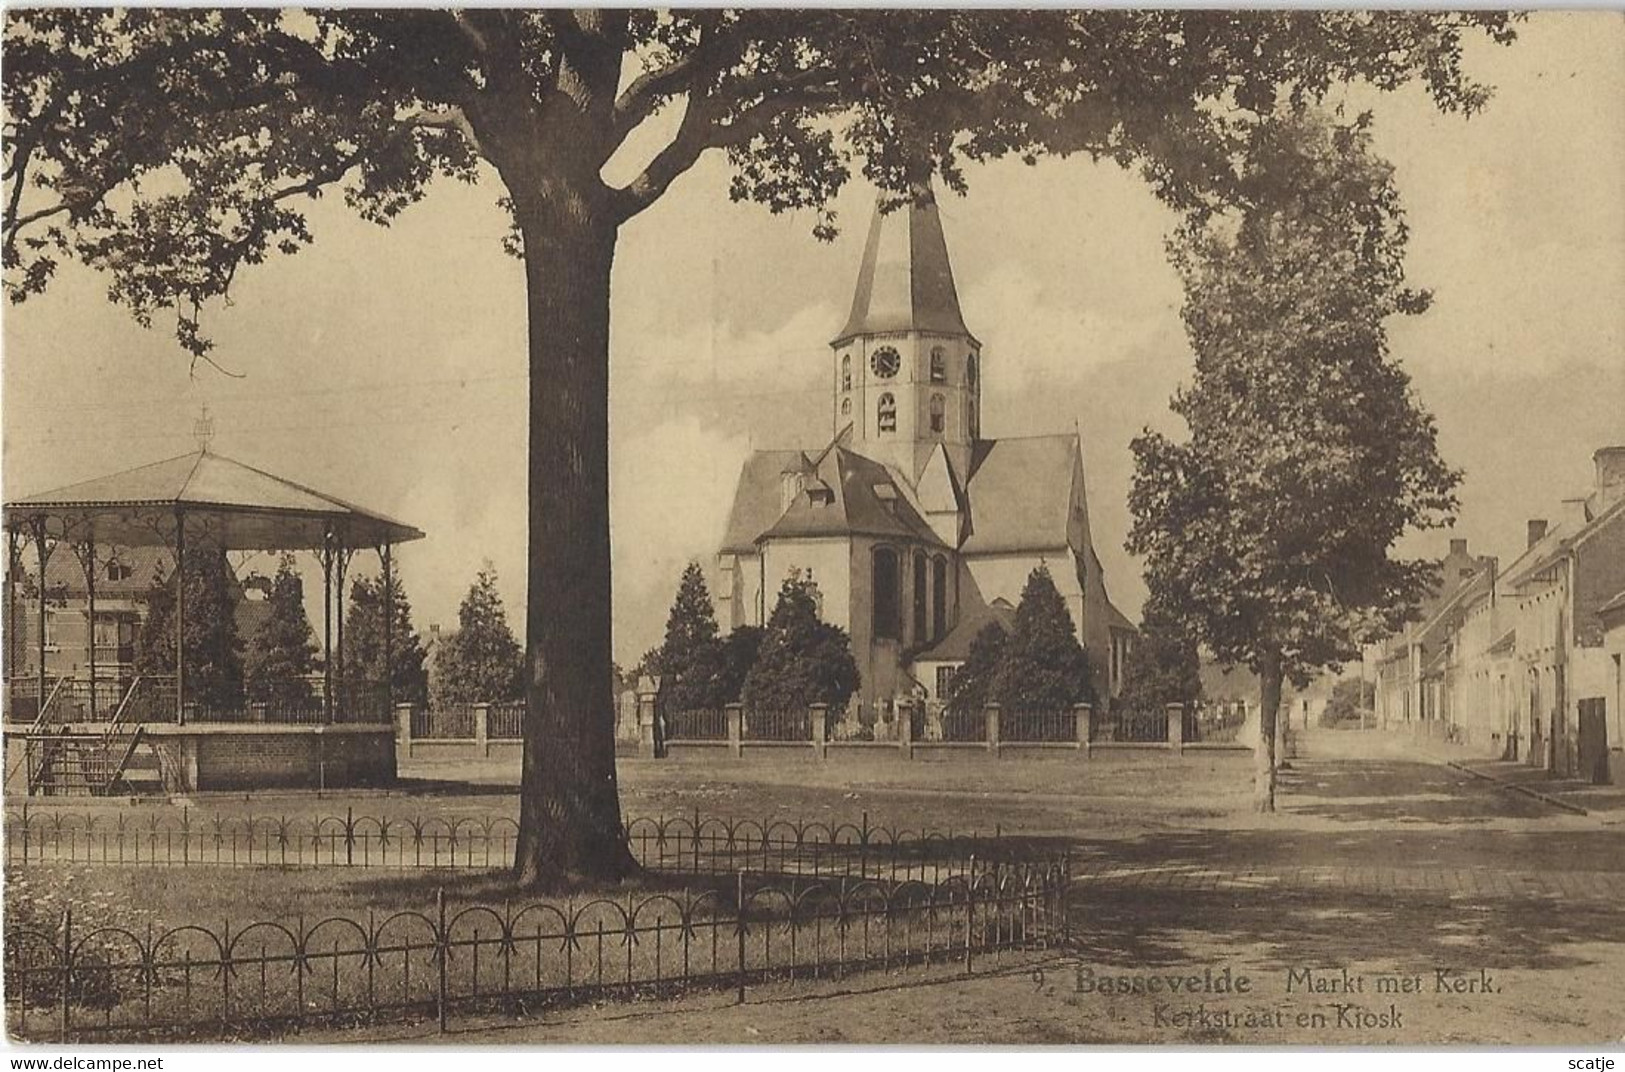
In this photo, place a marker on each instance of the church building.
(916, 527)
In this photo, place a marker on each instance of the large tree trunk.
(1269, 712)
(569, 811)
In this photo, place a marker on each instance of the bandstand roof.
(225, 503)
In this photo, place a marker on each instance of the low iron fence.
(1137, 727)
(455, 721)
(1207, 725)
(694, 844)
(505, 722)
(1039, 727)
(794, 724)
(94, 978)
(696, 724)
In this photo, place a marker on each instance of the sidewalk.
(1603, 802)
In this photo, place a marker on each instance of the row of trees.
(480, 662)
(796, 660)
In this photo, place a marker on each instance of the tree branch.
(451, 117)
(640, 99)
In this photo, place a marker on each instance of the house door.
(1593, 741)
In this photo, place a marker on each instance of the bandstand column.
(14, 557)
(327, 626)
(43, 549)
(342, 566)
(87, 562)
(180, 617)
(386, 558)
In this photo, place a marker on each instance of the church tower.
(907, 372)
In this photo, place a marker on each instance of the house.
(1410, 665)
(124, 577)
(912, 523)
(1572, 570)
(1612, 615)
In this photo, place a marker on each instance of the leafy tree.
(739, 651)
(968, 694)
(803, 660)
(214, 651)
(364, 654)
(1043, 667)
(1164, 666)
(482, 662)
(1270, 528)
(1350, 701)
(245, 114)
(690, 658)
(283, 653)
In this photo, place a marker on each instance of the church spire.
(905, 282)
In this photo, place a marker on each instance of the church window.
(970, 371)
(921, 595)
(938, 414)
(885, 362)
(939, 365)
(887, 597)
(939, 592)
(846, 407)
(846, 372)
(886, 413)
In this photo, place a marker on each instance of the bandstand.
(109, 730)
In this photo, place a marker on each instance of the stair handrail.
(117, 772)
(45, 704)
(113, 724)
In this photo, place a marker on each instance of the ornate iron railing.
(96, 978)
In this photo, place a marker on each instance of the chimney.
(1537, 530)
(1458, 548)
(1610, 474)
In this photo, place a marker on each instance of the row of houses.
(1524, 661)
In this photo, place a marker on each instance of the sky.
(388, 366)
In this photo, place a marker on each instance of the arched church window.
(921, 595)
(939, 592)
(939, 365)
(939, 409)
(887, 597)
(886, 413)
(846, 407)
(970, 371)
(846, 372)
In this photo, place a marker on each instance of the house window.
(887, 597)
(118, 571)
(846, 372)
(939, 365)
(921, 594)
(945, 680)
(939, 591)
(939, 409)
(886, 413)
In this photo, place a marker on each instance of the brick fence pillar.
(819, 713)
(1083, 714)
(991, 713)
(482, 730)
(736, 727)
(403, 729)
(1176, 727)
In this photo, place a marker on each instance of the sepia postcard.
(776, 527)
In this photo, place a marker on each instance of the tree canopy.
(1270, 530)
(968, 694)
(481, 662)
(690, 659)
(1043, 667)
(364, 654)
(277, 665)
(802, 660)
(213, 648)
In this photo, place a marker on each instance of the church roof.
(864, 501)
(905, 282)
(1020, 494)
